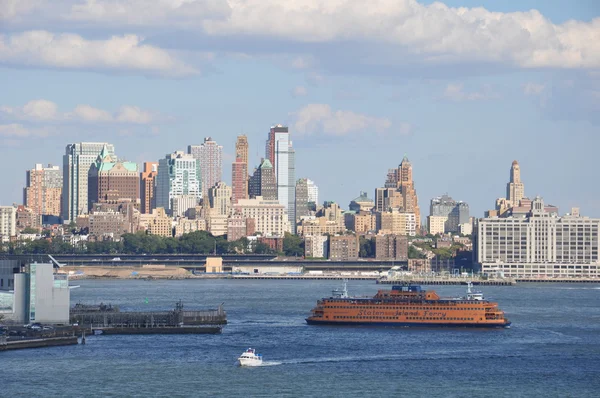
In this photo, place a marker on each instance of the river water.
(552, 349)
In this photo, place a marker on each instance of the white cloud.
(12, 9)
(455, 92)
(16, 130)
(299, 91)
(525, 39)
(39, 109)
(71, 51)
(533, 88)
(44, 111)
(143, 12)
(320, 118)
(133, 114)
(90, 114)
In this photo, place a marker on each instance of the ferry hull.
(410, 324)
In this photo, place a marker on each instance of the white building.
(77, 160)
(39, 295)
(182, 203)
(285, 171)
(211, 163)
(178, 174)
(269, 216)
(315, 246)
(8, 222)
(313, 191)
(539, 245)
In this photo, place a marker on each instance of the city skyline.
(460, 111)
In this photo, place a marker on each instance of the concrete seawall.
(38, 343)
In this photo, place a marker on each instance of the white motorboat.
(250, 358)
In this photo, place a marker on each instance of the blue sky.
(462, 87)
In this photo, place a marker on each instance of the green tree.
(263, 248)
(367, 247)
(29, 230)
(293, 245)
(414, 253)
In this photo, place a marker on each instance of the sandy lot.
(126, 272)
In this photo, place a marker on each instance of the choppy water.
(552, 350)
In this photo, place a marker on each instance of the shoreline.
(161, 273)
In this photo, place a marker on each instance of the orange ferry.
(408, 305)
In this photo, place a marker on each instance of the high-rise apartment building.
(515, 189)
(110, 179)
(539, 244)
(8, 222)
(178, 174)
(313, 192)
(302, 198)
(391, 247)
(281, 154)
(344, 247)
(147, 183)
(456, 213)
(77, 161)
(44, 190)
(239, 178)
(209, 154)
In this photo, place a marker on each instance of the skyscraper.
(147, 182)
(77, 160)
(178, 174)
(313, 191)
(241, 152)
(282, 156)
(110, 179)
(515, 189)
(44, 190)
(302, 198)
(239, 179)
(262, 182)
(209, 154)
(241, 148)
(399, 192)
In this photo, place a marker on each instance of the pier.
(455, 281)
(106, 319)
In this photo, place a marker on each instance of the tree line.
(198, 242)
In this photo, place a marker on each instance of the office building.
(112, 179)
(539, 245)
(262, 183)
(239, 179)
(302, 198)
(178, 174)
(77, 161)
(147, 183)
(209, 154)
(220, 198)
(456, 213)
(515, 189)
(313, 192)
(281, 155)
(270, 218)
(43, 190)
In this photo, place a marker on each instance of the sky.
(461, 87)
